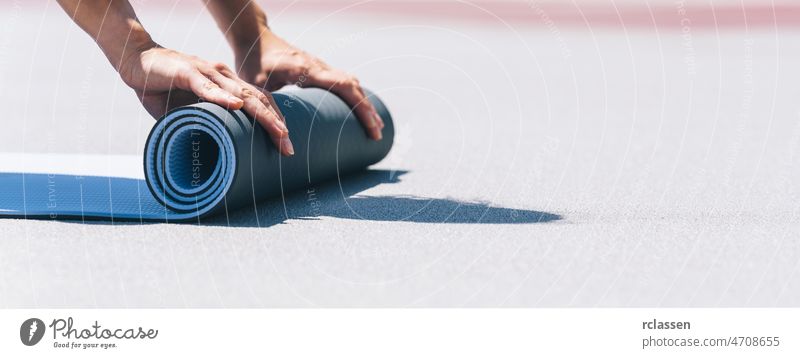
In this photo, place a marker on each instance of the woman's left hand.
(273, 63)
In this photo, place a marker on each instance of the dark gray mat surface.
(201, 160)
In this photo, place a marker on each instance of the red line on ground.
(676, 14)
(530, 13)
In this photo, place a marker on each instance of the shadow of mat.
(341, 200)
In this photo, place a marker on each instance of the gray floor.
(534, 166)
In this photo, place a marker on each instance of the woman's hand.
(269, 62)
(273, 63)
(164, 79)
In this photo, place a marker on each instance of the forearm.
(112, 24)
(243, 22)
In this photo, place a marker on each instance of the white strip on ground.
(124, 166)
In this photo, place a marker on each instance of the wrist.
(250, 36)
(128, 62)
(242, 22)
(246, 44)
(121, 48)
(249, 54)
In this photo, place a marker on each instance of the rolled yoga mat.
(201, 160)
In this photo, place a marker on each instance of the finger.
(269, 118)
(270, 102)
(206, 89)
(230, 79)
(349, 90)
(259, 106)
(228, 84)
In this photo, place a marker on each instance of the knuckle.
(351, 82)
(248, 93)
(184, 72)
(298, 71)
(209, 86)
(221, 67)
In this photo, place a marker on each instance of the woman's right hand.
(164, 79)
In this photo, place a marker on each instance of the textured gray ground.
(534, 166)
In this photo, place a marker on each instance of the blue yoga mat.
(201, 160)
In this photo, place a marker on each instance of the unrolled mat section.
(201, 160)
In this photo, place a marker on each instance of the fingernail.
(378, 135)
(286, 144)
